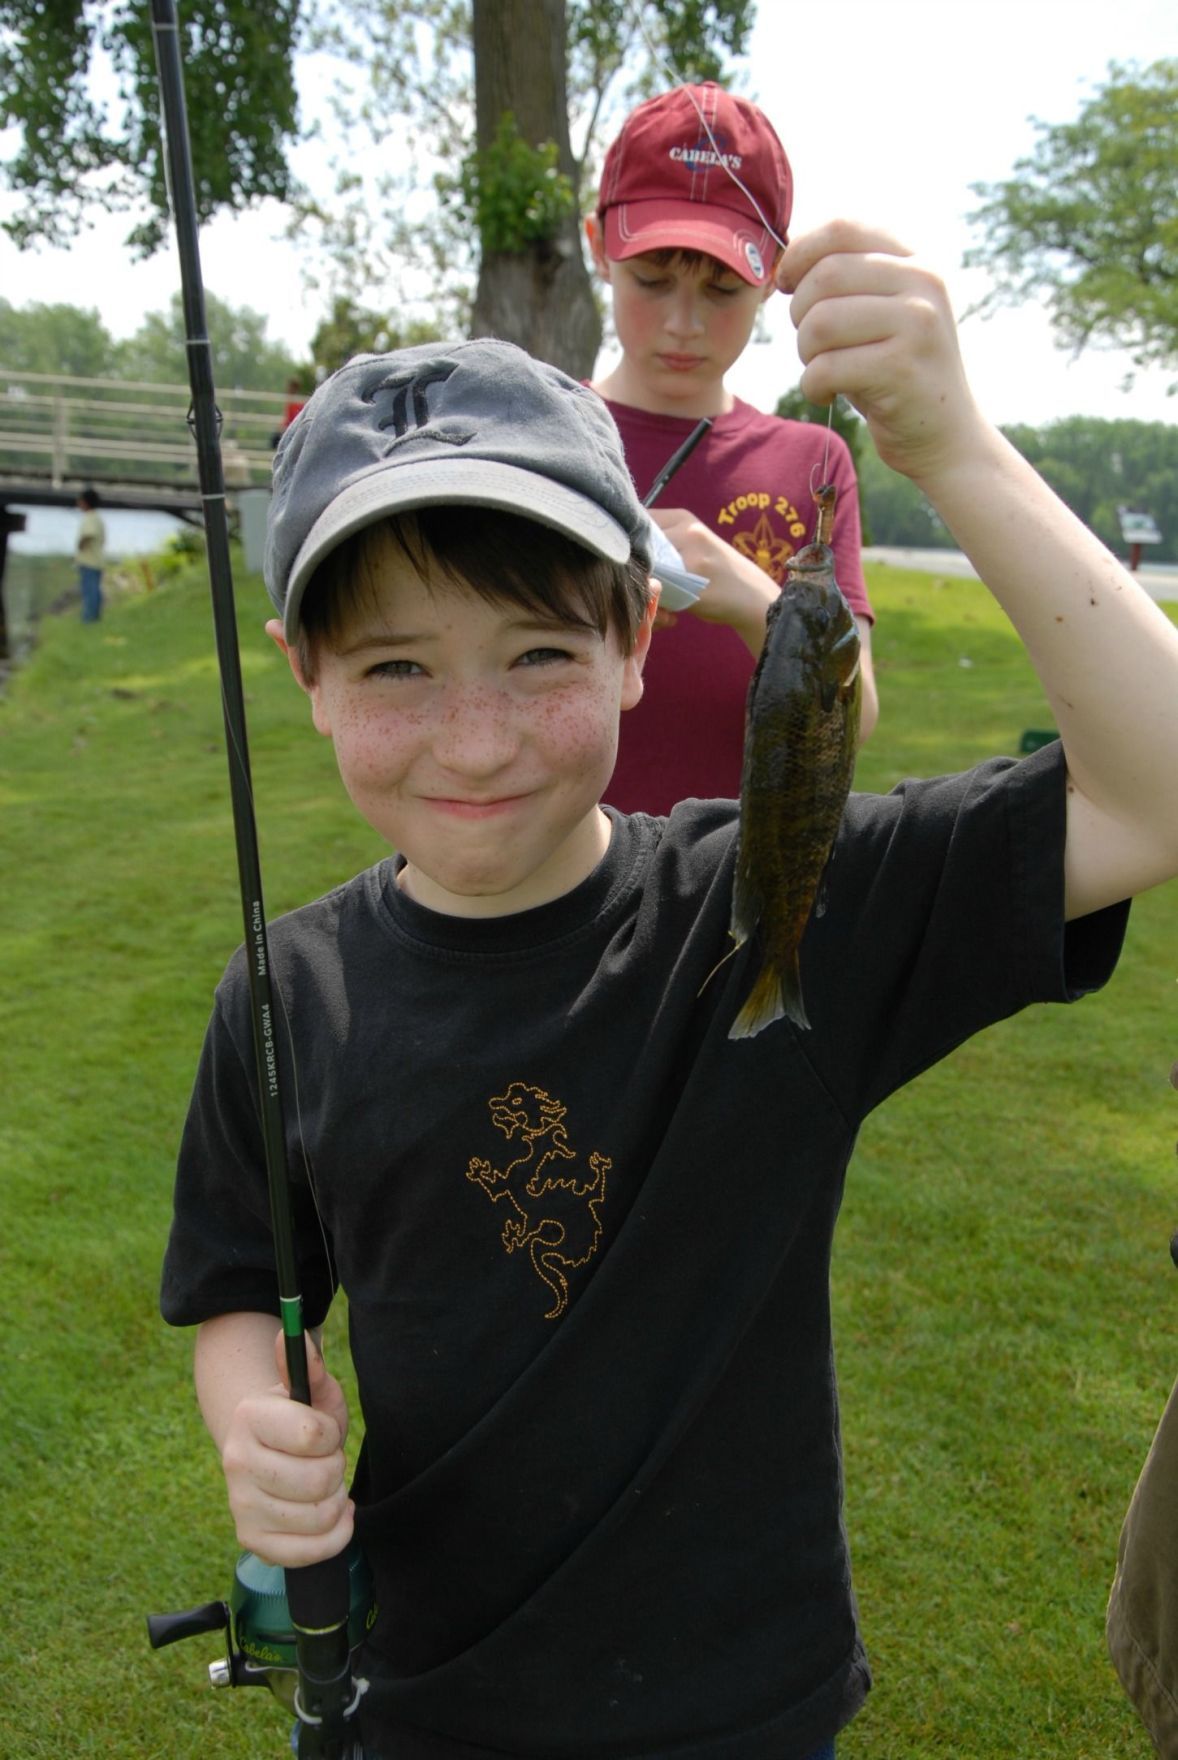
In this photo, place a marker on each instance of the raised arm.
(875, 325)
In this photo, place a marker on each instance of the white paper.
(681, 588)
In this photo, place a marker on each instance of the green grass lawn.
(1004, 1297)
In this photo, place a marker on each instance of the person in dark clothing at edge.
(585, 1236)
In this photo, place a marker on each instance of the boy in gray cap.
(583, 1234)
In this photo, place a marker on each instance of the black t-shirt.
(585, 1240)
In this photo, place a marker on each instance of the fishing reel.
(261, 1639)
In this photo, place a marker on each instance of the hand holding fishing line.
(876, 326)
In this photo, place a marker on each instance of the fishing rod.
(325, 1602)
(678, 457)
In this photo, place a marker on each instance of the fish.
(801, 731)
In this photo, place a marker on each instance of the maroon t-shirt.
(749, 480)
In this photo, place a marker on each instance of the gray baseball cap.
(477, 423)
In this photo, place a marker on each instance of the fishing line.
(822, 476)
(722, 160)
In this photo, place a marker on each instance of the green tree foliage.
(78, 83)
(1094, 465)
(55, 339)
(1097, 466)
(894, 510)
(74, 341)
(243, 358)
(404, 117)
(516, 193)
(1089, 221)
(351, 328)
(500, 253)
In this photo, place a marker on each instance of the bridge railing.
(64, 432)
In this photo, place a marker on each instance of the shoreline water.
(52, 531)
(40, 577)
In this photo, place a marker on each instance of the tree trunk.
(541, 296)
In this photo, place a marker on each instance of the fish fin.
(843, 661)
(723, 960)
(773, 996)
(822, 895)
(763, 1007)
(791, 994)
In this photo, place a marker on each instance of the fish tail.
(774, 995)
(791, 991)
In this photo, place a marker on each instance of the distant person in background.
(296, 397)
(90, 555)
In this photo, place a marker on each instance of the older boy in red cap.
(693, 209)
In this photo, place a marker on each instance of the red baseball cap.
(669, 181)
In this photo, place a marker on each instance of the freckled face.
(476, 740)
(681, 327)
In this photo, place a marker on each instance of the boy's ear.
(318, 713)
(595, 239)
(274, 631)
(636, 658)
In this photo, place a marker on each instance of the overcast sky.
(889, 110)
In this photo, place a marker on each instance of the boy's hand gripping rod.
(318, 1595)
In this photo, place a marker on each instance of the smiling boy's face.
(476, 739)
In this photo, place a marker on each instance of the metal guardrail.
(62, 432)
